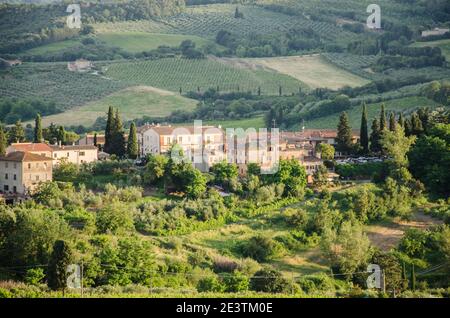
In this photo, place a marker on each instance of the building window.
(6, 165)
(15, 165)
(6, 188)
(15, 189)
(68, 154)
(37, 178)
(15, 177)
(82, 153)
(55, 155)
(6, 176)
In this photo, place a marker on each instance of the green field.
(373, 110)
(53, 47)
(135, 42)
(133, 102)
(444, 45)
(189, 75)
(313, 70)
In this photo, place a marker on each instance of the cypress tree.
(38, 129)
(383, 123)
(280, 90)
(117, 137)
(95, 139)
(3, 142)
(344, 134)
(108, 129)
(259, 90)
(57, 268)
(375, 137)
(392, 122)
(61, 135)
(408, 127)
(132, 145)
(364, 134)
(416, 124)
(401, 120)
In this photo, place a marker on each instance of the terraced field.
(132, 102)
(189, 75)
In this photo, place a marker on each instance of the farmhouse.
(35, 148)
(80, 65)
(74, 154)
(435, 31)
(22, 172)
(204, 145)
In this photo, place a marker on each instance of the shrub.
(314, 283)
(261, 248)
(224, 264)
(236, 282)
(210, 284)
(269, 281)
(297, 218)
(34, 276)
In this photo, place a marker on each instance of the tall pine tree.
(392, 122)
(3, 142)
(416, 124)
(364, 133)
(37, 129)
(109, 130)
(344, 134)
(375, 137)
(132, 145)
(383, 123)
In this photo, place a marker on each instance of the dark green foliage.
(16, 133)
(38, 129)
(57, 269)
(210, 284)
(383, 122)
(292, 175)
(364, 133)
(392, 122)
(109, 130)
(344, 134)
(269, 281)
(132, 144)
(375, 137)
(12, 109)
(236, 282)
(429, 159)
(3, 141)
(261, 248)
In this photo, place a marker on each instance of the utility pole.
(82, 273)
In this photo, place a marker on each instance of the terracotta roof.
(168, 130)
(31, 147)
(73, 147)
(21, 156)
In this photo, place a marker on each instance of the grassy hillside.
(373, 110)
(133, 102)
(140, 41)
(312, 70)
(173, 74)
(54, 82)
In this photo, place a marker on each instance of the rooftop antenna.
(303, 125)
